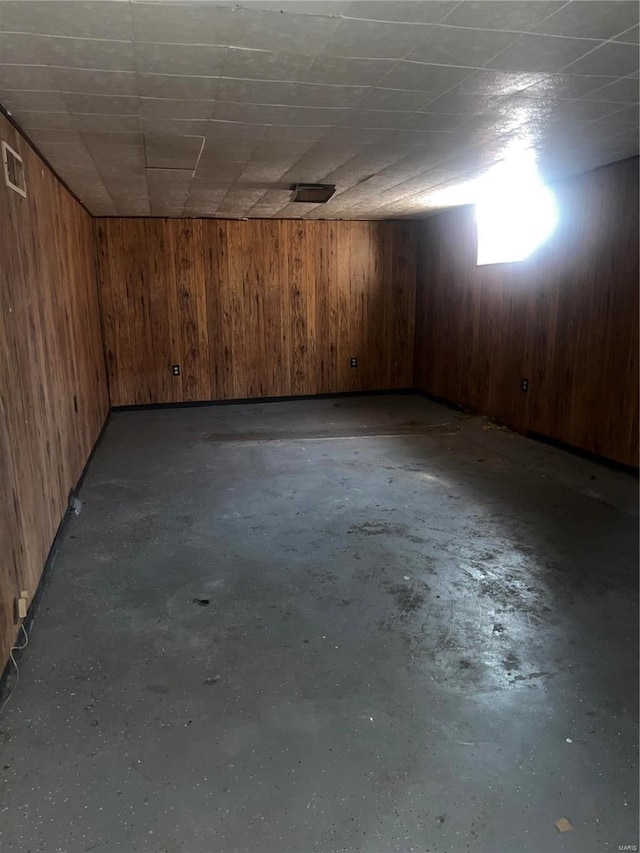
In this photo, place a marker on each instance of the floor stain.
(408, 599)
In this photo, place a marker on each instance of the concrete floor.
(421, 635)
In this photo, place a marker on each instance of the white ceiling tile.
(95, 82)
(374, 119)
(455, 102)
(177, 163)
(302, 34)
(71, 154)
(631, 36)
(204, 23)
(23, 49)
(295, 133)
(123, 105)
(363, 167)
(624, 90)
(268, 93)
(232, 151)
(265, 64)
(174, 127)
(375, 39)
(169, 180)
(276, 198)
(275, 114)
(236, 130)
(181, 151)
(516, 15)
(99, 207)
(266, 173)
(44, 121)
(200, 205)
(29, 101)
(212, 173)
(400, 135)
(291, 150)
(319, 161)
(326, 8)
(57, 137)
(409, 11)
(35, 78)
(599, 19)
(114, 173)
(128, 148)
(131, 203)
(394, 100)
(175, 108)
(357, 135)
(177, 87)
(425, 77)
(459, 46)
(433, 121)
(534, 52)
(289, 94)
(245, 197)
(96, 123)
(99, 19)
(90, 53)
(498, 82)
(180, 59)
(339, 70)
(626, 115)
(611, 59)
(588, 110)
(180, 23)
(167, 203)
(553, 86)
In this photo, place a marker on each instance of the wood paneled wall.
(566, 319)
(263, 308)
(53, 390)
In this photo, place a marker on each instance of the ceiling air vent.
(312, 193)
(13, 170)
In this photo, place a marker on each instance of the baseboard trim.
(584, 454)
(254, 400)
(537, 436)
(48, 564)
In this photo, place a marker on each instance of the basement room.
(319, 426)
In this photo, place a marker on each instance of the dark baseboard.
(457, 407)
(253, 400)
(544, 439)
(46, 571)
(584, 454)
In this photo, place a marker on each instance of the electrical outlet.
(525, 384)
(354, 362)
(21, 608)
(175, 369)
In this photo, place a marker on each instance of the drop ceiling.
(218, 108)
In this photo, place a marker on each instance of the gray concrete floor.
(421, 635)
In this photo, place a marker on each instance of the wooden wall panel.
(53, 392)
(262, 308)
(566, 319)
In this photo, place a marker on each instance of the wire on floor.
(15, 664)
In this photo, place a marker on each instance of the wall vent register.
(312, 193)
(13, 170)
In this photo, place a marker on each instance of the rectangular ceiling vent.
(312, 193)
(13, 170)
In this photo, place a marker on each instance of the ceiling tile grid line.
(389, 100)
